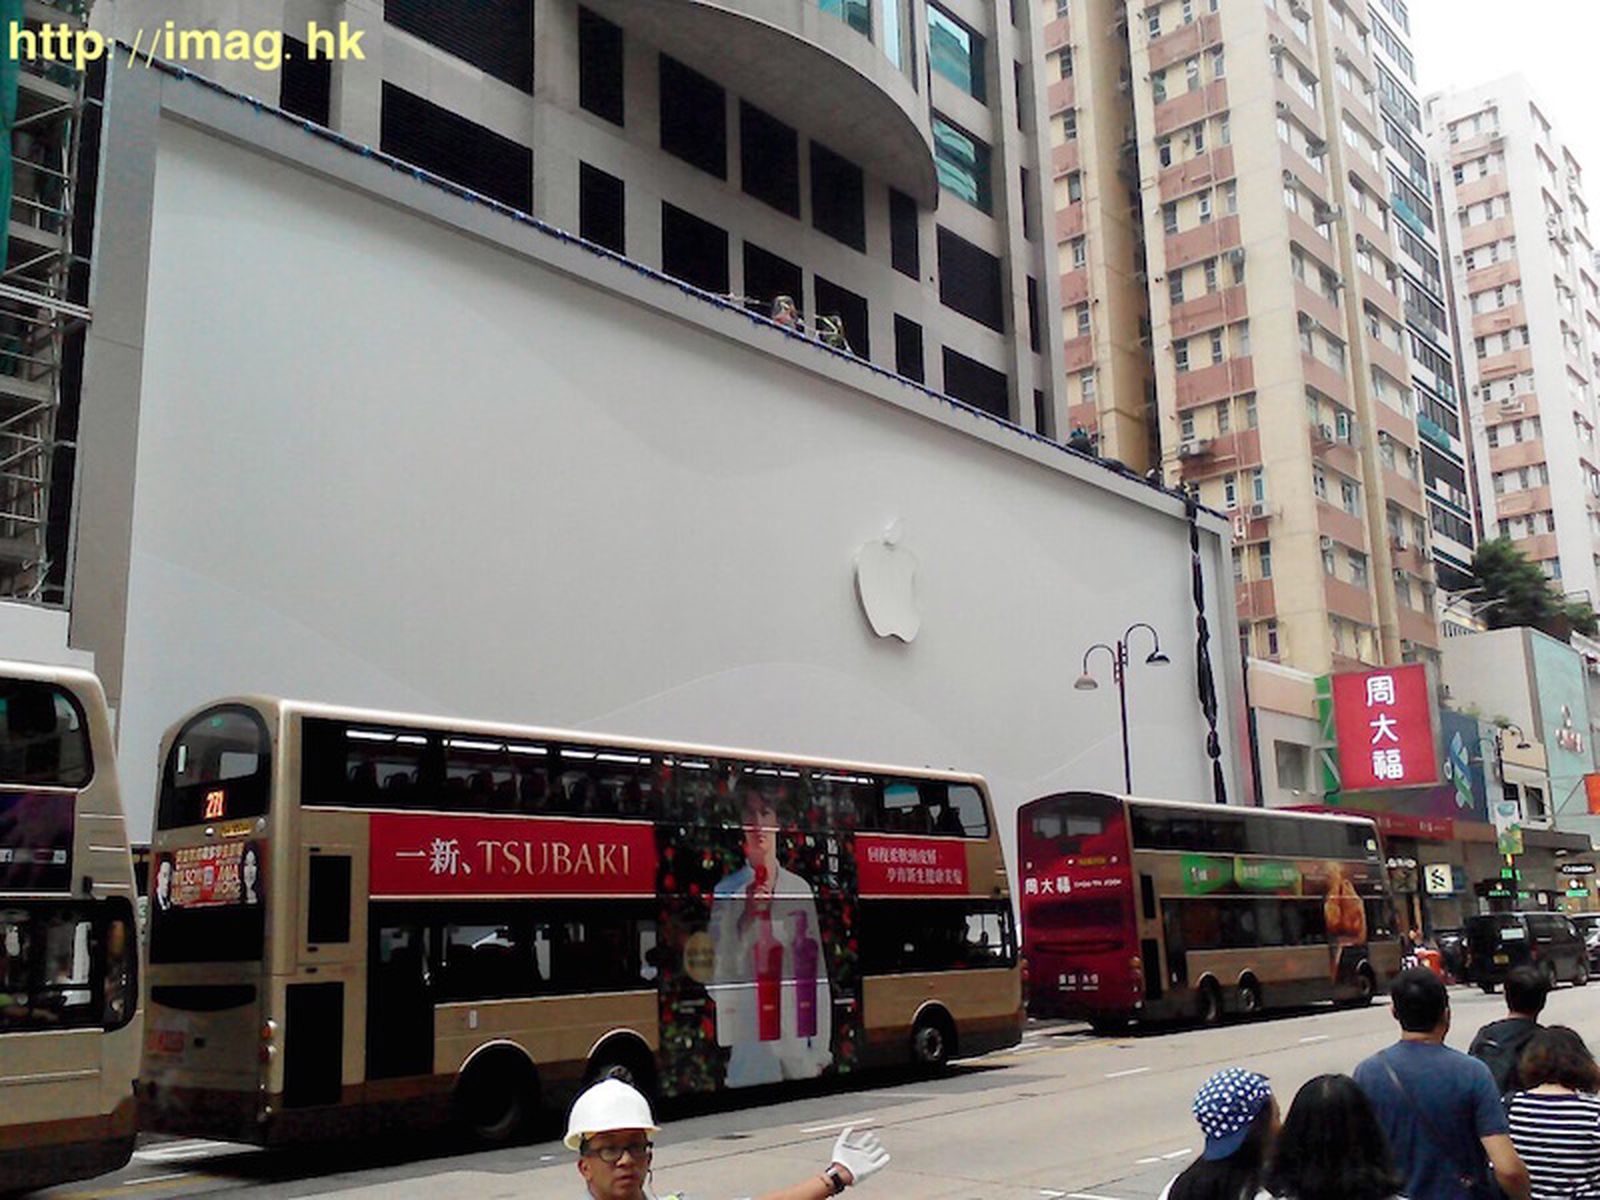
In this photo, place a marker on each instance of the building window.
(600, 88)
(956, 52)
(694, 118)
(1033, 314)
(600, 209)
(1075, 186)
(970, 281)
(851, 309)
(855, 13)
(307, 86)
(1083, 320)
(963, 164)
(1169, 217)
(908, 356)
(904, 238)
(1180, 353)
(454, 148)
(495, 36)
(769, 159)
(693, 250)
(838, 197)
(766, 277)
(975, 384)
(1265, 554)
(1080, 252)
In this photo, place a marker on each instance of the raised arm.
(854, 1158)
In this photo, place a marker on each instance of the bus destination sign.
(422, 854)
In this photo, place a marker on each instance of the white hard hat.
(608, 1105)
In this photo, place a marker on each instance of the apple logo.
(886, 574)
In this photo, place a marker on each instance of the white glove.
(860, 1156)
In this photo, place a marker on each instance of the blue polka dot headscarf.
(1226, 1105)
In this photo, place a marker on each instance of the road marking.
(1087, 1196)
(1129, 1071)
(1320, 1037)
(194, 1179)
(1145, 1162)
(863, 1120)
(1184, 1153)
(183, 1151)
(1049, 1195)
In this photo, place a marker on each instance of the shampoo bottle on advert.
(805, 978)
(769, 982)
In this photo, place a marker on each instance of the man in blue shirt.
(1439, 1108)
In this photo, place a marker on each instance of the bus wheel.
(1250, 998)
(1366, 988)
(933, 1041)
(1488, 988)
(496, 1097)
(1209, 1008)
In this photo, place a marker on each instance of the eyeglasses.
(612, 1155)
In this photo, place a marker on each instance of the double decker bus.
(362, 921)
(69, 984)
(1138, 909)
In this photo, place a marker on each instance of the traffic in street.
(1067, 1115)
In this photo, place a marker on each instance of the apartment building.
(1523, 270)
(1277, 294)
(865, 170)
(1099, 228)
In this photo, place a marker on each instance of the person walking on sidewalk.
(1239, 1116)
(1500, 1043)
(1331, 1147)
(1438, 1107)
(1555, 1122)
(611, 1126)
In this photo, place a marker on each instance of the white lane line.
(1049, 1195)
(1184, 1153)
(1320, 1037)
(859, 1122)
(1129, 1071)
(1145, 1162)
(167, 1178)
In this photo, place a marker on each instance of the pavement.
(1067, 1115)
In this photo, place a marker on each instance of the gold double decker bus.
(363, 921)
(69, 944)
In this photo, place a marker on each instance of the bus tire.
(497, 1096)
(1488, 988)
(1208, 1003)
(1250, 997)
(933, 1040)
(1366, 988)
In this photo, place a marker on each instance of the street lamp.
(1119, 672)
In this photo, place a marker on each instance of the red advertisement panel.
(216, 875)
(1385, 725)
(910, 866)
(1591, 792)
(426, 854)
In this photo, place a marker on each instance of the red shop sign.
(425, 854)
(910, 866)
(1385, 724)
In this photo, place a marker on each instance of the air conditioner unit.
(1361, 242)
(1283, 108)
(1305, 321)
(1325, 542)
(1325, 433)
(1316, 147)
(1299, 11)
(1274, 44)
(1288, 175)
(1399, 575)
(1236, 256)
(1398, 541)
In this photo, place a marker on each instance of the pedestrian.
(1331, 1147)
(610, 1126)
(1500, 1043)
(1555, 1120)
(1439, 1108)
(1236, 1110)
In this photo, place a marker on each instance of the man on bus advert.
(774, 1005)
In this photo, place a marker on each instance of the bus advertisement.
(69, 982)
(367, 920)
(1139, 909)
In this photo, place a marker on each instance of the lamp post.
(1119, 672)
(1500, 769)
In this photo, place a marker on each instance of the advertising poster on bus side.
(760, 978)
(216, 875)
(35, 842)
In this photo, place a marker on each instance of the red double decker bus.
(1139, 909)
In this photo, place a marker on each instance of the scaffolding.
(42, 317)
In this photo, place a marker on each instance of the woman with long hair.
(1331, 1147)
(1239, 1116)
(1555, 1119)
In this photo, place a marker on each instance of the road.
(1066, 1116)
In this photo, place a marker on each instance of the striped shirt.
(1558, 1136)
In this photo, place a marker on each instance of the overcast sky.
(1555, 43)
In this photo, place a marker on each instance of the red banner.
(910, 866)
(425, 854)
(1591, 793)
(215, 875)
(1385, 724)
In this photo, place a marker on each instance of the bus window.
(359, 766)
(47, 968)
(906, 936)
(328, 900)
(957, 809)
(43, 735)
(904, 810)
(478, 776)
(844, 800)
(218, 769)
(488, 961)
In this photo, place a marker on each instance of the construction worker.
(611, 1125)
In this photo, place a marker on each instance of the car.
(1497, 942)
(1589, 927)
